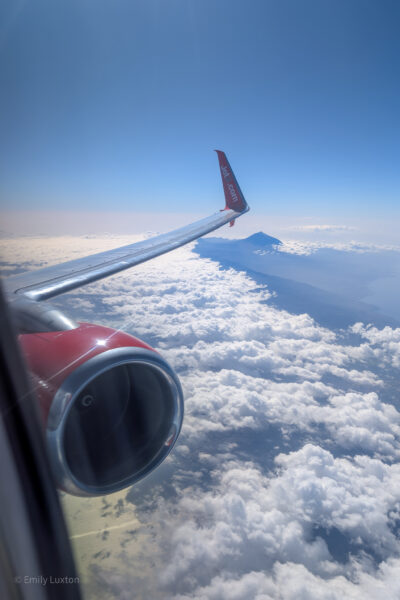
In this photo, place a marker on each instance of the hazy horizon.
(335, 230)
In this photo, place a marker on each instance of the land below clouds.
(336, 286)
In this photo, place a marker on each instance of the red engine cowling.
(112, 406)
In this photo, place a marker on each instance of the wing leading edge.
(46, 283)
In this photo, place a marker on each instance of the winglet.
(234, 198)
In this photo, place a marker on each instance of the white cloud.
(328, 228)
(384, 343)
(238, 536)
(310, 247)
(235, 527)
(291, 581)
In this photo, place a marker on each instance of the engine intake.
(113, 420)
(114, 413)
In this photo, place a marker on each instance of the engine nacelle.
(111, 405)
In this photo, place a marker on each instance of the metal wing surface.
(48, 282)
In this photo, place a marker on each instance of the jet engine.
(112, 407)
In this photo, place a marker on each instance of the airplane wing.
(48, 282)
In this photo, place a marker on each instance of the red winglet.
(234, 198)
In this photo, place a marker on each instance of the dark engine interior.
(118, 424)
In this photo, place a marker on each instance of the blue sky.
(118, 105)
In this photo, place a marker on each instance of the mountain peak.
(261, 239)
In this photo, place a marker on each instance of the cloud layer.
(286, 482)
